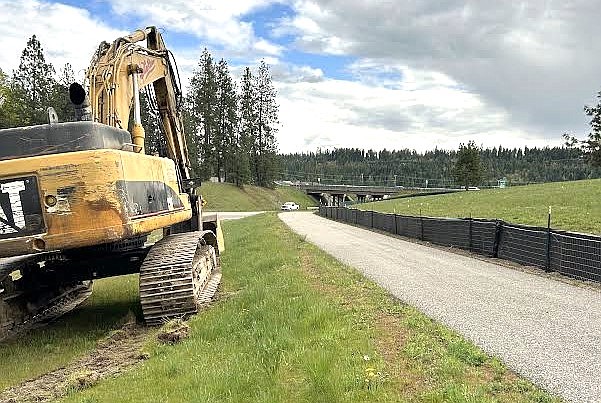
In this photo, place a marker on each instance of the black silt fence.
(576, 255)
(410, 227)
(384, 222)
(448, 232)
(482, 236)
(523, 245)
(572, 254)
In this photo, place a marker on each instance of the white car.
(290, 206)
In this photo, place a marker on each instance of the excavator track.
(179, 275)
(19, 314)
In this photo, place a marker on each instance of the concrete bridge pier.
(338, 199)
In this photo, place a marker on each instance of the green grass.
(228, 197)
(294, 325)
(53, 346)
(576, 206)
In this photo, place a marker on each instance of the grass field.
(294, 325)
(55, 345)
(227, 197)
(576, 206)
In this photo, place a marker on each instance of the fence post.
(548, 265)
(372, 219)
(396, 231)
(471, 247)
(421, 226)
(498, 230)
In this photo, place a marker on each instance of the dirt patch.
(115, 354)
(173, 331)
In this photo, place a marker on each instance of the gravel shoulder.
(546, 330)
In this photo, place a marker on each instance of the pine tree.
(33, 85)
(202, 107)
(8, 113)
(154, 142)
(468, 168)
(246, 131)
(266, 114)
(592, 146)
(224, 141)
(60, 94)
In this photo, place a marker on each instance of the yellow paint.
(94, 211)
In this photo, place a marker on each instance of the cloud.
(220, 24)
(537, 60)
(425, 110)
(67, 34)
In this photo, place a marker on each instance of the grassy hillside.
(575, 205)
(294, 325)
(227, 197)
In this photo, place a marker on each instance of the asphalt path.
(544, 329)
(235, 215)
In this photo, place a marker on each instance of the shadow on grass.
(114, 301)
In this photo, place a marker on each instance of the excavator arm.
(116, 74)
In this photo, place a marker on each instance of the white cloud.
(67, 34)
(425, 111)
(537, 60)
(218, 22)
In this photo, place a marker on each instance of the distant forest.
(410, 168)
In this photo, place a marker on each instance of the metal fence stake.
(497, 241)
(548, 265)
(470, 234)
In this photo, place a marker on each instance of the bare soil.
(120, 351)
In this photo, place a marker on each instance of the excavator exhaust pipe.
(81, 102)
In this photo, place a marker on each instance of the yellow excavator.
(79, 199)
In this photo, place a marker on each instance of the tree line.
(230, 128)
(469, 166)
(438, 167)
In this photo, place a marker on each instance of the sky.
(414, 74)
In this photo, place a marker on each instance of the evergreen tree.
(60, 94)
(154, 142)
(33, 85)
(468, 169)
(266, 115)
(202, 108)
(192, 140)
(8, 113)
(224, 141)
(246, 130)
(592, 146)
